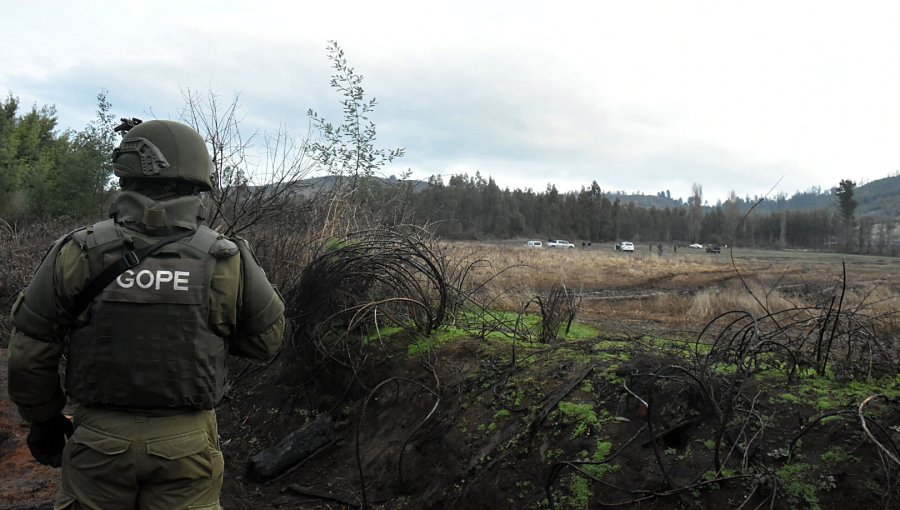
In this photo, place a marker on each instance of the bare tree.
(259, 192)
(251, 186)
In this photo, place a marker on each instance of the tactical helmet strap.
(152, 159)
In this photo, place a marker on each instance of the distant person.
(145, 307)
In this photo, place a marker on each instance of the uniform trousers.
(128, 460)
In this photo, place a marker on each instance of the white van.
(534, 244)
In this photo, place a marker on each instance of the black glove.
(47, 438)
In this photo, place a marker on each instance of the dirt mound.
(481, 424)
(574, 425)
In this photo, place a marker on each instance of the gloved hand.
(47, 438)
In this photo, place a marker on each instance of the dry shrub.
(21, 249)
(709, 303)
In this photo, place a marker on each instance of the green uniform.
(146, 360)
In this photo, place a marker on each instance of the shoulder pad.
(93, 235)
(79, 236)
(217, 245)
(246, 251)
(223, 248)
(102, 233)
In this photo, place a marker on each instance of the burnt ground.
(480, 427)
(625, 416)
(479, 424)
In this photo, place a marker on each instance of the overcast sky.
(636, 95)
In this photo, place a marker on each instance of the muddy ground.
(615, 419)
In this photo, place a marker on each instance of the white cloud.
(647, 95)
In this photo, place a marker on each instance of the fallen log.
(293, 449)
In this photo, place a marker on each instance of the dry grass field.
(681, 291)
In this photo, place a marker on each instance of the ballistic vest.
(147, 343)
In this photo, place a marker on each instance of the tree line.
(48, 173)
(472, 207)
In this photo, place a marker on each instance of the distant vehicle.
(534, 244)
(625, 246)
(560, 243)
(697, 246)
(713, 248)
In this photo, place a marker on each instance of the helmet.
(163, 149)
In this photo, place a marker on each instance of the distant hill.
(879, 198)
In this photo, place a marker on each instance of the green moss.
(383, 333)
(836, 455)
(587, 386)
(830, 419)
(826, 404)
(677, 345)
(579, 493)
(564, 353)
(578, 489)
(725, 369)
(611, 375)
(607, 345)
(611, 356)
(789, 398)
(601, 451)
(828, 394)
(583, 416)
(795, 479)
(579, 331)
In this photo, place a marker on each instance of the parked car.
(696, 246)
(560, 243)
(534, 244)
(713, 248)
(625, 246)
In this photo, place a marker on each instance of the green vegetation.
(579, 487)
(579, 493)
(836, 455)
(503, 413)
(582, 415)
(578, 332)
(48, 173)
(827, 394)
(602, 450)
(795, 479)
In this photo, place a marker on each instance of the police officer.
(145, 343)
